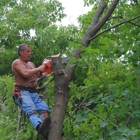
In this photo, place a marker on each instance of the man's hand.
(41, 68)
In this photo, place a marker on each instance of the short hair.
(21, 47)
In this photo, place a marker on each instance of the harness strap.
(17, 93)
(31, 89)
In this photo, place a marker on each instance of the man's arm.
(39, 74)
(24, 71)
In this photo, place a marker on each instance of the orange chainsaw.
(47, 63)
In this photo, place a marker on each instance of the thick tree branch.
(85, 42)
(117, 25)
(94, 27)
(98, 13)
(105, 18)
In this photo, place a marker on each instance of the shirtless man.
(24, 73)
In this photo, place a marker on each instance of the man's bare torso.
(18, 67)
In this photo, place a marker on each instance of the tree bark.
(61, 90)
(61, 86)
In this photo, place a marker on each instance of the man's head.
(24, 52)
(21, 47)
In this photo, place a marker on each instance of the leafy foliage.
(20, 19)
(105, 89)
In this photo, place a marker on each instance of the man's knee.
(32, 113)
(44, 114)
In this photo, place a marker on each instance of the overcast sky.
(73, 8)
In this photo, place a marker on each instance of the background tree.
(21, 18)
(98, 21)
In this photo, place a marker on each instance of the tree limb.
(94, 27)
(129, 21)
(85, 42)
(93, 30)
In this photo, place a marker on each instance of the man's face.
(26, 54)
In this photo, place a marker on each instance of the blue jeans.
(31, 102)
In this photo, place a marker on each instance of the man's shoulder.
(16, 61)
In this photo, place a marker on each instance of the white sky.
(73, 8)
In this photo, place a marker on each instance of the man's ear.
(20, 52)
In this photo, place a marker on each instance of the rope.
(46, 76)
(53, 73)
(19, 120)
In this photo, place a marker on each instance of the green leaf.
(103, 124)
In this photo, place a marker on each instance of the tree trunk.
(61, 86)
(61, 90)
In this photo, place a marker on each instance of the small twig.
(37, 79)
(96, 74)
(40, 88)
(99, 77)
(128, 121)
(100, 116)
(82, 103)
(79, 106)
(134, 24)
